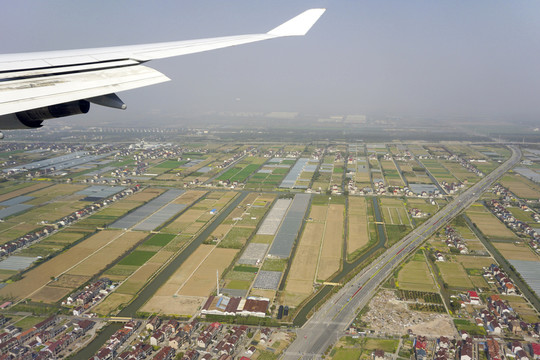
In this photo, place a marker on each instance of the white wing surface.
(30, 82)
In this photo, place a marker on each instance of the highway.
(331, 319)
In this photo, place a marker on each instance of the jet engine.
(34, 118)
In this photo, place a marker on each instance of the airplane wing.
(43, 85)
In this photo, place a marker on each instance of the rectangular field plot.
(454, 275)
(96, 192)
(272, 221)
(438, 170)
(391, 173)
(13, 191)
(488, 223)
(17, 262)
(16, 200)
(529, 270)
(41, 275)
(394, 212)
(301, 276)
(147, 210)
(522, 187)
(460, 172)
(268, 280)
(283, 242)
(413, 172)
(253, 254)
(475, 262)
(330, 257)
(159, 217)
(513, 251)
(415, 275)
(192, 282)
(357, 236)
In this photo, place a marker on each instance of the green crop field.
(137, 258)
(159, 240)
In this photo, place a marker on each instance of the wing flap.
(20, 95)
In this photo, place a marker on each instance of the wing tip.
(298, 25)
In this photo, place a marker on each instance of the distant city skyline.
(417, 59)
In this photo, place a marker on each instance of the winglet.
(298, 25)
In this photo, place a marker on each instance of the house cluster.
(109, 351)
(73, 333)
(470, 297)
(442, 348)
(514, 224)
(7, 249)
(417, 213)
(467, 165)
(494, 273)
(224, 305)
(379, 187)
(465, 346)
(452, 188)
(512, 350)
(335, 189)
(89, 296)
(420, 345)
(47, 339)
(208, 340)
(455, 240)
(167, 336)
(212, 341)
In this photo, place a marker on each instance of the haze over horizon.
(418, 59)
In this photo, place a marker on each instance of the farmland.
(75, 263)
(454, 275)
(488, 223)
(302, 273)
(415, 275)
(522, 187)
(357, 235)
(330, 256)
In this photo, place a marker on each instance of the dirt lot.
(387, 315)
(174, 305)
(490, 225)
(330, 257)
(41, 275)
(358, 235)
(513, 251)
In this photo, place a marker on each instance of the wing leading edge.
(31, 81)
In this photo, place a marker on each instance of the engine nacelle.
(34, 118)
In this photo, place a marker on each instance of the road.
(328, 323)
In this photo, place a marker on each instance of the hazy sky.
(439, 59)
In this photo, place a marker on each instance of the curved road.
(328, 323)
